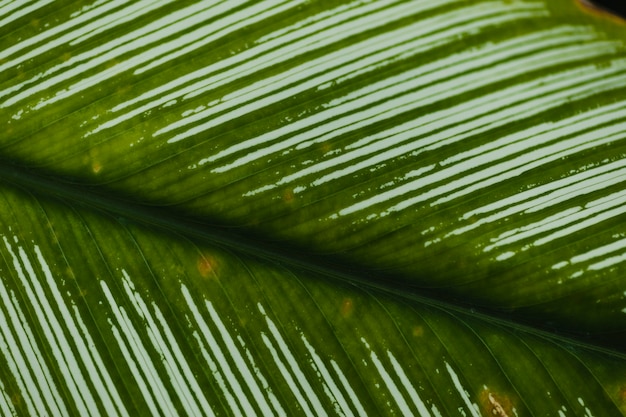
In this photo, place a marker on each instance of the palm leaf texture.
(312, 208)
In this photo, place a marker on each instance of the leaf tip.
(604, 9)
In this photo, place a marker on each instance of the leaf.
(311, 208)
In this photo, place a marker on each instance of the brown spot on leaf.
(418, 331)
(288, 196)
(206, 265)
(495, 403)
(16, 400)
(96, 167)
(347, 308)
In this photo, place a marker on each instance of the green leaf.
(312, 208)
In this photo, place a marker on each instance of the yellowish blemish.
(66, 56)
(69, 273)
(96, 167)
(123, 89)
(288, 196)
(35, 23)
(16, 400)
(206, 265)
(418, 331)
(347, 308)
(495, 404)
(326, 147)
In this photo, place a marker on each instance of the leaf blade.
(546, 176)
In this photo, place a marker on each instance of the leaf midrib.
(238, 239)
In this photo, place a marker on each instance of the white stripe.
(76, 34)
(608, 262)
(479, 114)
(33, 358)
(331, 66)
(473, 408)
(548, 195)
(396, 105)
(575, 218)
(493, 172)
(594, 212)
(146, 375)
(59, 345)
(129, 13)
(9, 6)
(309, 27)
(233, 393)
(413, 395)
(393, 389)
(487, 108)
(278, 408)
(6, 405)
(600, 251)
(102, 371)
(219, 379)
(283, 369)
(580, 82)
(214, 75)
(232, 22)
(22, 357)
(241, 364)
(152, 33)
(139, 378)
(332, 391)
(86, 354)
(436, 411)
(387, 49)
(383, 150)
(173, 360)
(293, 364)
(21, 10)
(183, 364)
(348, 388)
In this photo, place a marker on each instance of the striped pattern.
(472, 146)
(168, 384)
(415, 124)
(260, 359)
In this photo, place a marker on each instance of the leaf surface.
(290, 207)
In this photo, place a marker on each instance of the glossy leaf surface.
(290, 207)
